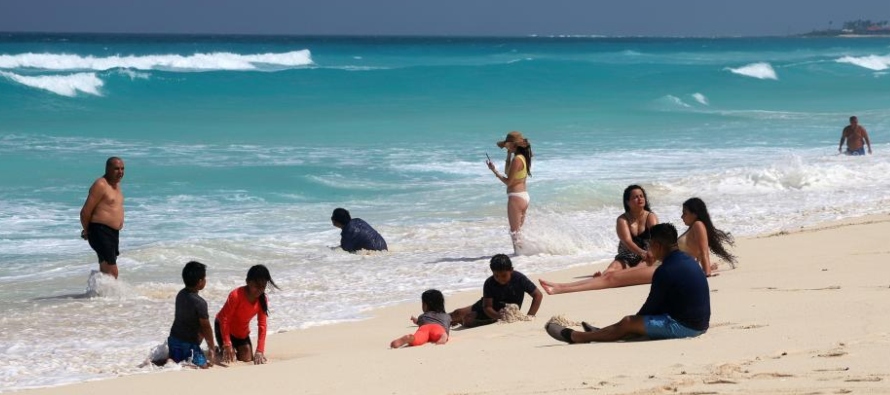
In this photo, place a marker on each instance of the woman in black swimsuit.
(633, 241)
(633, 230)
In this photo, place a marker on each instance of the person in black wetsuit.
(356, 234)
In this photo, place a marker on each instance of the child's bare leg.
(457, 316)
(398, 343)
(244, 353)
(469, 320)
(443, 339)
(474, 319)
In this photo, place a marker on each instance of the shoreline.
(771, 331)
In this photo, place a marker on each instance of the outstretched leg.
(400, 342)
(634, 276)
(632, 325)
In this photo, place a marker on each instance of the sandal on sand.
(588, 328)
(559, 332)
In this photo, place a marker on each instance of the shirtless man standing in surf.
(102, 215)
(854, 134)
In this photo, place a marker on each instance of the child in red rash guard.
(233, 320)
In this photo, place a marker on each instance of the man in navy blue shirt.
(679, 302)
(356, 234)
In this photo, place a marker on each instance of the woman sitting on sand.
(702, 236)
(697, 241)
(633, 230)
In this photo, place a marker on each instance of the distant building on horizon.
(858, 27)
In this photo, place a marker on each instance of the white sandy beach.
(805, 312)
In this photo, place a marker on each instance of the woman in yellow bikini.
(518, 167)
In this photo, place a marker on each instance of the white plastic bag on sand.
(158, 355)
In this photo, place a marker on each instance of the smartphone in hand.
(489, 158)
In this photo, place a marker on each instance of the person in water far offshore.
(854, 134)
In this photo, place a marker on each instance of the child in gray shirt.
(434, 324)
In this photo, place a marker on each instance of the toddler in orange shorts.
(434, 324)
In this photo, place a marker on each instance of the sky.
(429, 17)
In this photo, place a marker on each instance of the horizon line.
(389, 35)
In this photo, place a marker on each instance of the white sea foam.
(700, 98)
(134, 75)
(527, 59)
(760, 70)
(676, 101)
(167, 62)
(778, 115)
(871, 62)
(65, 85)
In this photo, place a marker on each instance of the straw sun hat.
(515, 138)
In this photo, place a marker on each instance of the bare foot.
(443, 339)
(548, 286)
(400, 342)
(597, 274)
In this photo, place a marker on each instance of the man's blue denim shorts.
(665, 327)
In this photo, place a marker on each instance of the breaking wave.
(762, 70)
(168, 62)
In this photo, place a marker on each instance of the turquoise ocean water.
(238, 148)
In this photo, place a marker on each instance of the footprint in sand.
(727, 369)
(870, 379)
(771, 375)
(832, 370)
(719, 381)
(828, 288)
(751, 326)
